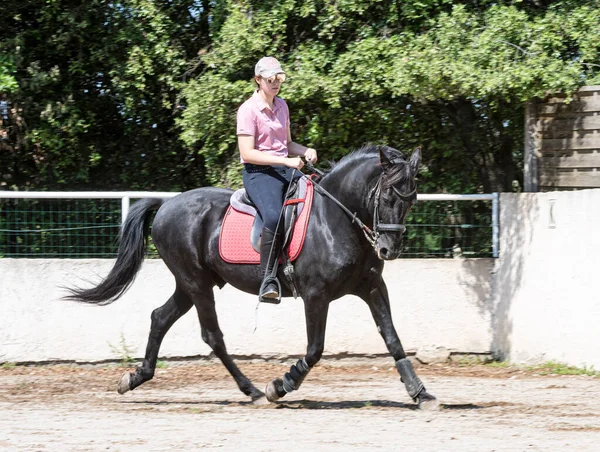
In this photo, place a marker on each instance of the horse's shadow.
(360, 404)
(310, 404)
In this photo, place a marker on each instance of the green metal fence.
(86, 225)
(439, 228)
(59, 228)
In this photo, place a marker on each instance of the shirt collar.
(262, 104)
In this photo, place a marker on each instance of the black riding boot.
(269, 289)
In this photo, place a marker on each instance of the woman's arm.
(297, 149)
(252, 155)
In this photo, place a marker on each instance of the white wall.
(539, 301)
(436, 304)
(547, 281)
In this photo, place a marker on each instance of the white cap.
(268, 67)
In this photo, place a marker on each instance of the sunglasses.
(271, 80)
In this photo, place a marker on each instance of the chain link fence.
(86, 225)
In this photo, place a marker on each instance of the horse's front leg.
(379, 304)
(316, 321)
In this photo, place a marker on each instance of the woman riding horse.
(265, 142)
(356, 224)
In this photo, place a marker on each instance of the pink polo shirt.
(268, 127)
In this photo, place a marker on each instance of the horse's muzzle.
(385, 254)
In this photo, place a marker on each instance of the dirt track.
(341, 406)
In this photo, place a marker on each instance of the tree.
(142, 94)
(97, 91)
(451, 76)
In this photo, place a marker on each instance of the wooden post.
(532, 148)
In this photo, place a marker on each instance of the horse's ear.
(386, 162)
(415, 160)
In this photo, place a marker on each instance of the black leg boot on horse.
(270, 249)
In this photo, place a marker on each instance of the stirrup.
(270, 296)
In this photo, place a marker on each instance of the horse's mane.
(400, 172)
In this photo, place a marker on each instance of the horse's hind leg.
(162, 320)
(316, 322)
(379, 304)
(212, 335)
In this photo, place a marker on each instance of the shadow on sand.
(308, 404)
(357, 404)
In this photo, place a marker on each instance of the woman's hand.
(311, 155)
(294, 162)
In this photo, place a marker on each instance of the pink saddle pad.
(234, 241)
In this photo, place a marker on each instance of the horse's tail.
(132, 249)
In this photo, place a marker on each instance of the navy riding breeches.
(266, 186)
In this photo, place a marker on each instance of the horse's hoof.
(124, 382)
(260, 401)
(271, 390)
(427, 402)
(258, 398)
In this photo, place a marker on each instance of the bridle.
(378, 227)
(372, 235)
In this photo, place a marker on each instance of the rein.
(372, 235)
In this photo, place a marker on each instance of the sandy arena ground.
(353, 405)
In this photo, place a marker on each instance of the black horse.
(341, 255)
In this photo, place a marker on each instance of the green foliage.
(123, 351)
(8, 365)
(450, 76)
(142, 94)
(550, 368)
(556, 368)
(209, 121)
(97, 92)
(499, 364)
(8, 82)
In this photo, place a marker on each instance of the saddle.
(239, 240)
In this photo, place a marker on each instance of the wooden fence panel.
(562, 180)
(569, 160)
(562, 142)
(570, 124)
